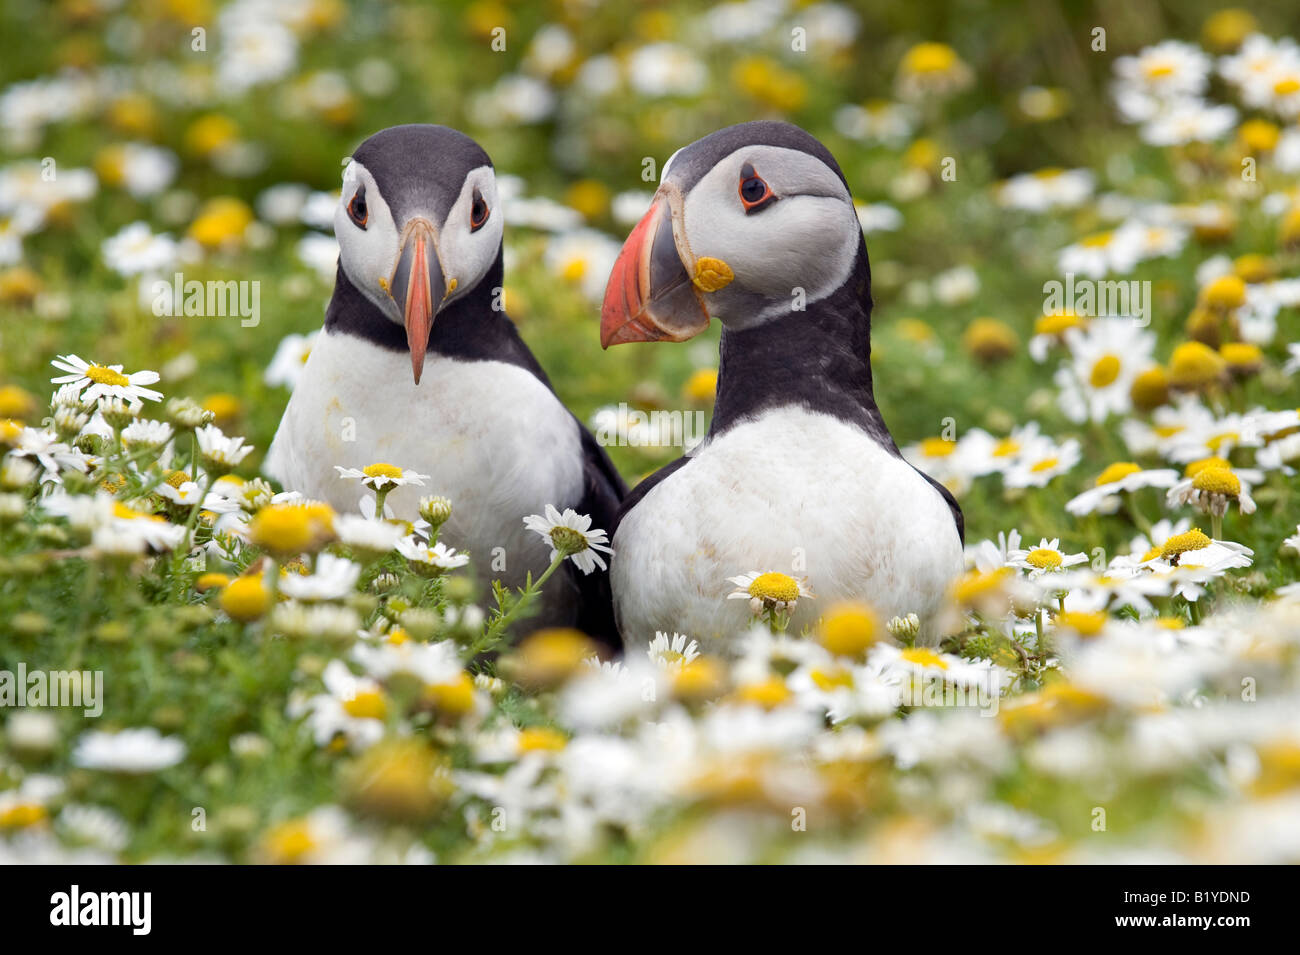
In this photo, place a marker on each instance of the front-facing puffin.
(420, 368)
(754, 225)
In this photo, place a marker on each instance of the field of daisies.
(259, 678)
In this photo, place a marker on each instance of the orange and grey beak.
(650, 296)
(418, 287)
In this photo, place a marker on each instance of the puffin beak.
(418, 287)
(650, 296)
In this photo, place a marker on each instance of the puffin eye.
(755, 193)
(478, 213)
(357, 210)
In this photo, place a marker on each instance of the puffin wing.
(603, 492)
(953, 506)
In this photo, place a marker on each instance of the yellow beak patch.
(712, 274)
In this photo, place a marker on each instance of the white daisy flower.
(1040, 464)
(572, 535)
(1118, 478)
(221, 453)
(1105, 358)
(1046, 189)
(769, 590)
(105, 381)
(1047, 557)
(672, 652)
(303, 620)
(1167, 70)
(438, 558)
(144, 433)
(132, 751)
(44, 448)
(378, 537)
(1212, 488)
(334, 579)
(136, 250)
(352, 707)
(380, 475)
(432, 663)
(289, 360)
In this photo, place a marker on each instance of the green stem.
(183, 549)
(497, 629)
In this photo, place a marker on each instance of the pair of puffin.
(753, 225)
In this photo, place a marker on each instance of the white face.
(803, 234)
(369, 253)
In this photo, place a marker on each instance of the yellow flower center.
(291, 528)
(848, 629)
(1104, 371)
(1259, 135)
(1158, 71)
(245, 599)
(1098, 240)
(1085, 624)
(702, 385)
(22, 816)
(938, 447)
(1044, 558)
(930, 59)
(1196, 467)
(210, 581)
(574, 270)
(366, 705)
(1194, 539)
(1217, 480)
(1045, 465)
(106, 376)
(380, 469)
(924, 657)
(1057, 324)
(1117, 472)
(455, 698)
(290, 841)
(541, 739)
(1241, 354)
(774, 587)
(1225, 292)
(974, 584)
(831, 679)
(1006, 448)
(1287, 86)
(1194, 365)
(768, 693)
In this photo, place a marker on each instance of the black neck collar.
(819, 358)
(475, 327)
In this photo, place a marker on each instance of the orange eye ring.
(753, 190)
(357, 210)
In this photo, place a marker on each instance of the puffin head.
(749, 223)
(418, 224)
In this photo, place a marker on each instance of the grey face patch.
(419, 168)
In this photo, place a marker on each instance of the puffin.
(754, 225)
(420, 367)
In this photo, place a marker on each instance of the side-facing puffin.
(420, 367)
(754, 225)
